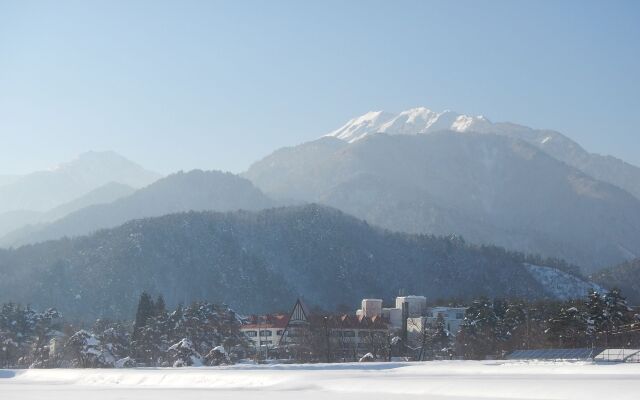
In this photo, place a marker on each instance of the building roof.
(269, 321)
(347, 321)
(555, 354)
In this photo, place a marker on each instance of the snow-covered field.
(432, 380)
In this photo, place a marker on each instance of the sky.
(218, 85)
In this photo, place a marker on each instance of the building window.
(265, 333)
(349, 334)
(279, 332)
(251, 333)
(459, 315)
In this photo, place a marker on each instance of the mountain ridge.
(44, 190)
(488, 188)
(257, 261)
(421, 120)
(194, 190)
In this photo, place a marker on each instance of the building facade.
(265, 330)
(452, 317)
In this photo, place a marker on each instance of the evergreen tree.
(84, 350)
(437, 340)
(146, 310)
(160, 306)
(114, 339)
(568, 328)
(512, 329)
(596, 316)
(477, 336)
(617, 314)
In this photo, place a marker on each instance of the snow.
(361, 126)
(396, 380)
(561, 285)
(123, 362)
(419, 120)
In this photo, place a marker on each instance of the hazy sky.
(217, 85)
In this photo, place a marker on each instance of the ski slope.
(433, 380)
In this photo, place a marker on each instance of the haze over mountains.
(442, 173)
(20, 219)
(43, 190)
(260, 262)
(417, 172)
(192, 191)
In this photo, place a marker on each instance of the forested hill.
(625, 276)
(255, 262)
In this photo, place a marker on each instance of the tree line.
(208, 334)
(199, 334)
(495, 328)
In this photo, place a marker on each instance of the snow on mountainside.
(561, 285)
(490, 189)
(421, 120)
(415, 121)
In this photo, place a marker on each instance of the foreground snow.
(435, 380)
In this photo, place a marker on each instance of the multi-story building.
(265, 330)
(351, 336)
(452, 317)
(417, 305)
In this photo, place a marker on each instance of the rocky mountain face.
(192, 191)
(261, 261)
(490, 188)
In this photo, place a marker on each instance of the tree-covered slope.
(490, 189)
(254, 261)
(625, 277)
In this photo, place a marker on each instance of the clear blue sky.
(217, 85)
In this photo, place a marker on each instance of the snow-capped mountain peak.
(359, 127)
(415, 121)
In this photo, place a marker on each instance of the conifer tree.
(617, 314)
(146, 310)
(160, 306)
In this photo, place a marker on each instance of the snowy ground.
(433, 380)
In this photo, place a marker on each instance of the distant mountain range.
(7, 179)
(192, 191)
(417, 172)
(443, 173)
(422, 121)
(41, 191)
(261, 261)
(25, 221)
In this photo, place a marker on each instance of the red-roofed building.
(301, 335)
(266, 330)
